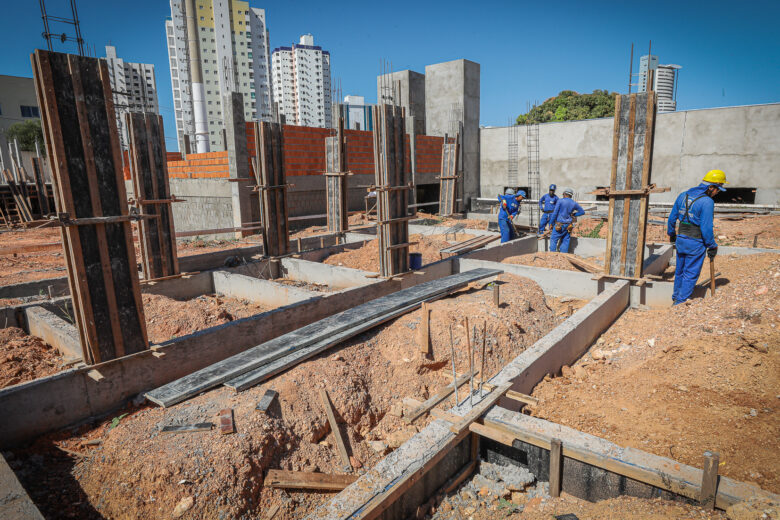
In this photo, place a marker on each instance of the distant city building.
(301, 83)
(664, 82)
(665, 85)
(646, 63)
(17, 103)
(357, 115)
(229, 54)
(134, 87)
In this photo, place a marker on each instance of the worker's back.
(564, 209)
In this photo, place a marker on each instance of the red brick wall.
(304, 154)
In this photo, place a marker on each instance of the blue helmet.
(553, 187)
(521, 193)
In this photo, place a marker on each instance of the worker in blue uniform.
(547, 206)
(693, 237)
(563, 221)
(509, 207)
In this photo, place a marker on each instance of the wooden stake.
(335, 428)
(709, 480)
(496, 295)
(556, 468)
(425, 331)
(482, 370)
(454, 376)
(471, 363)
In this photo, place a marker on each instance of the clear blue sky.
(528, 51)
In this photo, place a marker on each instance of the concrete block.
(55, 331)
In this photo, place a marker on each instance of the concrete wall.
(456, 84)
(208, 204)
(742, 141)
(412, 96)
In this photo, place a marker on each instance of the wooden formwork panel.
(336, 181)
(77, 113)
(392, 188)
(450, 153)
(149, 171)
(269, 150)
(632, 150)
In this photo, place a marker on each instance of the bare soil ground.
(24, 357)
(700, 376)
(316, 287)
(550, 260)
(25, 267)
(167, 318)
(729, 231)
(366, 257)
(150, 472)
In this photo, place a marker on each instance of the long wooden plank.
(322, 330)
(269, 149)
(646, 172)
(40, 183)
(280, 479)
(334, 427)
(434, 400)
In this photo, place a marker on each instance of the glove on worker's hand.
(712, 252)
(673, 238)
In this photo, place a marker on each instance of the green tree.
(571, 106)
(26, 133)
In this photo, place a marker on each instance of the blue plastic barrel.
(415, 261)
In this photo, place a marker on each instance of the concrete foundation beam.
(15, 503)
(335, 276)
(258, 290)
(55, 331)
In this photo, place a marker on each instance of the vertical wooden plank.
(425, 330)
(612, 181)
(709, 481)
(628, 184)
(40, 183)
(556, 468)
(334, 426)
(646, 173)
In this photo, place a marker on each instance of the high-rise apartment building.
(647, 63)
(664, 81)
(357, 115)
(216, 47)
(665, 85)
(134, 87)
(301, 83)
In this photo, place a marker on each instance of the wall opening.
(736, 196)
(526, 189)
(428, 194)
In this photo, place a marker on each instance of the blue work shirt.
(547, 202)
(509, 206)
(563, 210)
(700, 213)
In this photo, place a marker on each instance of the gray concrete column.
(245, 202)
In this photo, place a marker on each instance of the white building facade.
(301, 83)
(234, 56)
(134, 89)
(664, 81)
(357, 115)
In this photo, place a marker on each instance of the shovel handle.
(712, 276)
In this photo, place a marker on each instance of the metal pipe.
(196, 80)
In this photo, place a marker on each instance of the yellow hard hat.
(716, 177)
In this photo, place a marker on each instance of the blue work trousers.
(546, 217)
(561, 236)
(507, 229)
(690, 257)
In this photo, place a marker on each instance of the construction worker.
(547, 206)
(562, 221)
(509, 207)
(693, 237)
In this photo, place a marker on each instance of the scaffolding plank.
(83, 146)
(324, 332)
(634, 127)
(149, 172)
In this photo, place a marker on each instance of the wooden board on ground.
(468, 245)
(256, 364)
(277, 478)
(392, 189)
(79, 124)
(336, 180)
(632, 151)
(268, 399)
(149, 171)
(334, 427)
(269, 150)
(450, 154)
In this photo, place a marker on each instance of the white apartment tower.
(134, 89)
(231, 48)
(301, 83)
(664, 81)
